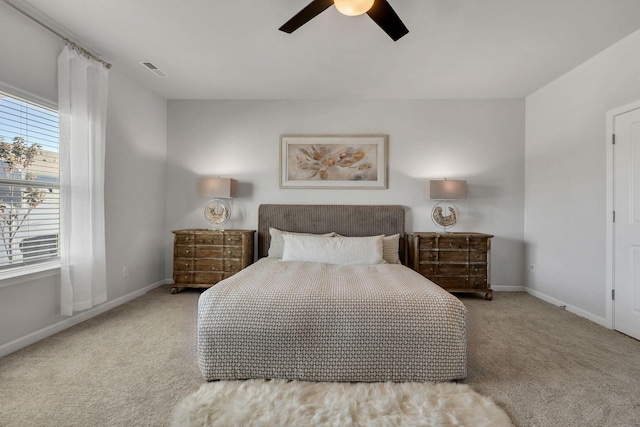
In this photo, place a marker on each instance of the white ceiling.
(232, 49)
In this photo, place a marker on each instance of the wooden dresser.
(458, 262)
(202, 258)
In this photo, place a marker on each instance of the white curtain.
(82, 103)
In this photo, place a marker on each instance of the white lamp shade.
(445, 189)
(224, 188)
(353, 7)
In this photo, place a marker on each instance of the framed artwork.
(333, 161)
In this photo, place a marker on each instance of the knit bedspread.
(321, 322)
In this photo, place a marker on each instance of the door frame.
(610, 253)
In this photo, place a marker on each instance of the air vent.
(152, 67)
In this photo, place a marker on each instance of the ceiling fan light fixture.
(353, 7)
(380, 11)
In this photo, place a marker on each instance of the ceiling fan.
(379, 10)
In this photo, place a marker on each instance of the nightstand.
(457, 262)
(202, 258)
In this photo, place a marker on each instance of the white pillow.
(390, 248)
(333, 250)
(276, 246)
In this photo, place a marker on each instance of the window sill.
(19, 275)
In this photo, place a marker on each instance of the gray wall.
(134, 187)
(566, 213)
(480, 141)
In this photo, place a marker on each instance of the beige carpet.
(133, 365)
(260, 403)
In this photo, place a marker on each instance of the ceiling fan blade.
(313, 9)
(384, 15)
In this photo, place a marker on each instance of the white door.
(626, 312)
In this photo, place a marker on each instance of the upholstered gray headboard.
(348, 220)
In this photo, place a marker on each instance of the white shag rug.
(297, 403)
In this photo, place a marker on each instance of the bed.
(315, 321)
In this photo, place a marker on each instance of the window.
(29, 183)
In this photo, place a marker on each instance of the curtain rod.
(66, 40)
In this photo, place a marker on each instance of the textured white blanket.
(320, 322)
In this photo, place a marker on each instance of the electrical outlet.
(125, 271)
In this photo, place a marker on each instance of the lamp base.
(217, 212)
(444, 215)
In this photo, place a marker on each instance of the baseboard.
(570, 308)
(43, 333)
(509, 288)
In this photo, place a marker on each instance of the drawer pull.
(213, 268)
(186, 265)
(187, 251)
(229, 252)
(229, 265)
(187, 239)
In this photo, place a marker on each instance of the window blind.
(29, 183)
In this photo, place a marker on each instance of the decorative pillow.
(276, 246)
(333, 250)
(390, 247)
